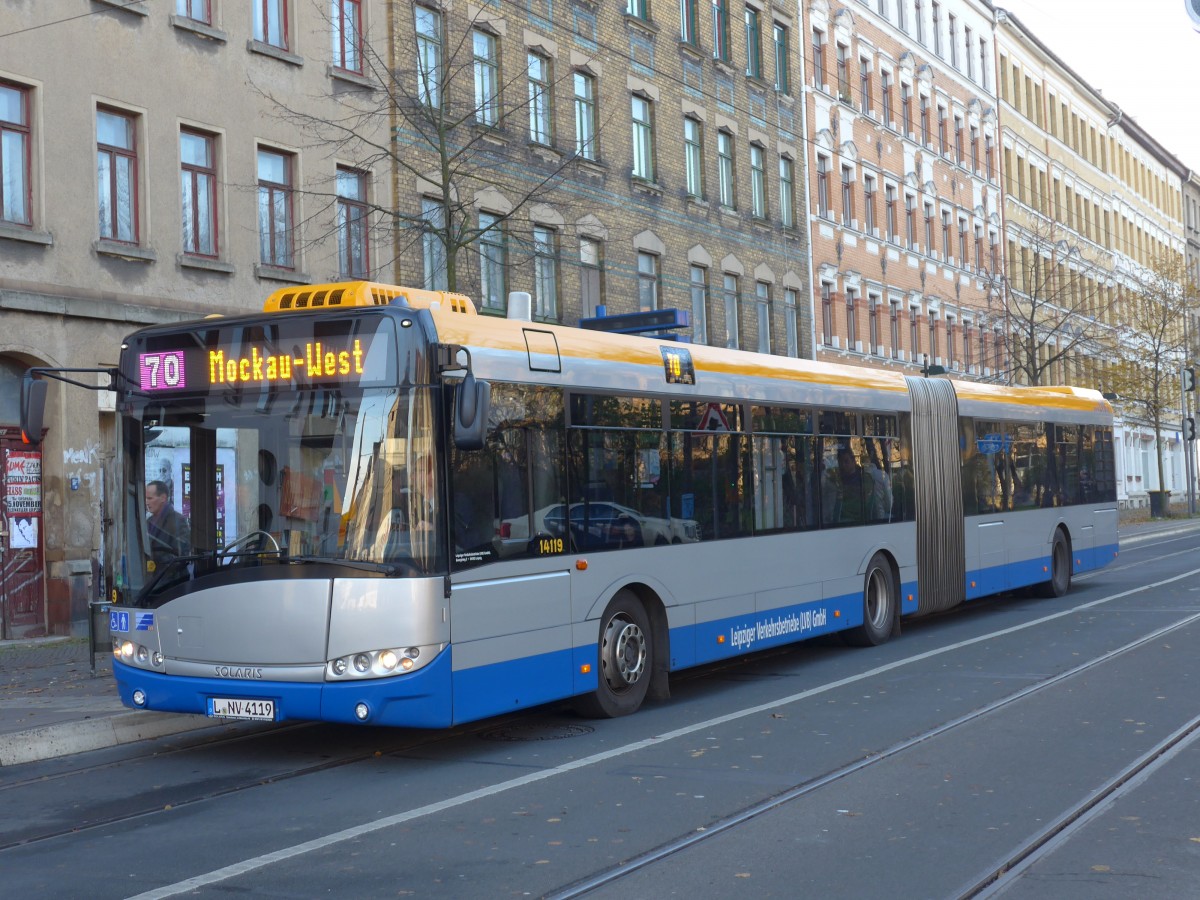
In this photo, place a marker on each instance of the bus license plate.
(228, 708)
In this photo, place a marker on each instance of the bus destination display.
(355, 357)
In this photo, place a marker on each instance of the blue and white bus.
(381, 507)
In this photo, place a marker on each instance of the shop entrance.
(22, 578)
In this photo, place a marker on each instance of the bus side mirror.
(472, 405)
(33, 408)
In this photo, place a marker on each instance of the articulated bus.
(370, 504)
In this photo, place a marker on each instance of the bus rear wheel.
(879, 605)
(626, 658)
(1060, 568)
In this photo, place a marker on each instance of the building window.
(951, 342)
(847, 196)
(725, 185)
(643, 139)
(352, 221)
(988, 151)
(585, 115)
(818, 58)
(762, 303)
(936, 14)
(429, 56)
(689, 30)
(787, 202)
(983, 63)
(730, 293)
(196, 10)
(783, 82)
(275, 208)
(823, 187)
(493, 269)
(959, 149)
(539, 99)
(926, 137)
(962, 243)
(864, 85)
(910, 221)
(919, 18)
(914, 332)
(591, 275)
(693, 159)
(869, 204)
(699, 289)
(827, 314)
(487, 80)
(851, 324)
(545, 272)
(647, 281)
(952, 22)
(974, 149)
(720, 11)
(947, 241)
(791, 322)
(873, 324)
(933, 337)
(433, 248)
(758, 182)
(894, 328)
(15, 155)
(753, 44)
(885, 87)
(843, 73)
(346, 22)
(967, 42)
(889, 193)
(117, 175)
(929, 247)
(639, 9)
(943, 137)
(198, 184)
(906, 117)
(270, 22)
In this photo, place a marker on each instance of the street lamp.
(927, 369)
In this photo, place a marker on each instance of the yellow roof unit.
(343, 295)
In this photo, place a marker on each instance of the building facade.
(1093, 206)
(153, 179)
(607, 157)
(904, 184)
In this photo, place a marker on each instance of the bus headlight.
(377, 663)
(143, 655)
(127, 649)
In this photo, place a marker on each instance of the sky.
(1146, 60)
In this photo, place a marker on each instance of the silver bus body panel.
(386, 613)
(267, 623)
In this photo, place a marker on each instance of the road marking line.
(249, 865)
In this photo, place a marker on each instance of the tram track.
(1028, 851)
(997, 876)
(200, 797)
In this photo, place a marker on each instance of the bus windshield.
(317, 475)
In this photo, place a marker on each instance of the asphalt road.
(1016, 747)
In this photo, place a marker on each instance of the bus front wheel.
(879, 605)
(626, 659)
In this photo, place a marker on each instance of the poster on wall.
(23, 497)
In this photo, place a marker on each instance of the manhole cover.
(536, 732)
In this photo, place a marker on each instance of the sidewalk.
(52, 705)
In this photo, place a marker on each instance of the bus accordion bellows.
(372, 504)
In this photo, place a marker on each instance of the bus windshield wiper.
(360, 564)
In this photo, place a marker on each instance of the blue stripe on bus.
(507, 686)
(1010, 576)
(420, 699)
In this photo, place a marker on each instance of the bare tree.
(1053, 304)
(452, 132)
(1153, 344)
